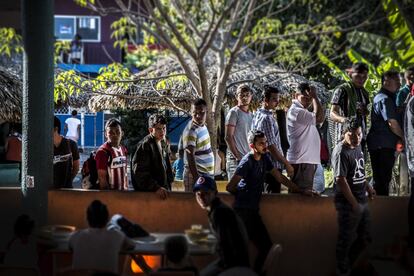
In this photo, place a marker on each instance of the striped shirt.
(116, 165)
(264, 121)
(198, 137)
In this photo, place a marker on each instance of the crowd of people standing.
(255, 160)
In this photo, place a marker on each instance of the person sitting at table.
(227, 227)
(176, 251)
(97, 247)
(22, 250)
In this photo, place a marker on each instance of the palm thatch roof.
(152, 89)
(10, 96)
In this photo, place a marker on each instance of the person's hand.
(311, 192)
(162, 193)
(290, 170)
(371, 192)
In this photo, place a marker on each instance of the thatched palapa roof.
(10, 96)
(150, 88)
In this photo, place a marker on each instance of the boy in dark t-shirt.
(65, 158)
(350, 197)
(247, 185)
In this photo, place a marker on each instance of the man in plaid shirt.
(264, 121)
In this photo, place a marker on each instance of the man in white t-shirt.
(97, 247)
(304, 140)
(72, 127)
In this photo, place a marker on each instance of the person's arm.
(334, 114)
(229, 137)
(279, 157)
(337, 99)
(346, 191)
(317, 107)
(75, 157)
(395, 128)
(286, 182)
(272, 140)
(103, 179)
(78, 130)
(75, 168)
(65, 129)
(231, 187)
(370, 190)
(189, 151)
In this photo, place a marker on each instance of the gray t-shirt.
(242, 121)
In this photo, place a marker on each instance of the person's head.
(176, 248)
(74, 113)
(15, 127)
(302, 94)
(391, 81)
(270, 97)
(358, 74)
(113, 131)
(243, 95)
(205, 190)
(409, 76)
(23, 226)
(97, 214)
(77, 37)
(157, 126)
(199, 111)
(56, 125)
(257, 141)
(352, 132)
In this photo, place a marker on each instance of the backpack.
(90, 172)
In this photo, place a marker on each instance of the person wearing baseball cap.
(227, 227)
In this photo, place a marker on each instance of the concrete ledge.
(306, 227)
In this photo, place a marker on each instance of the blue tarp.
(83, 68)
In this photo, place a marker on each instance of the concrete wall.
(306, 227)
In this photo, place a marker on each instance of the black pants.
(258, 235)
(411, 217)
(353, 234)
(272, 186)
(382, 161)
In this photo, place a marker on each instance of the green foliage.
(67, 83)
(143, 57)
(10, 42)
(60, 47)
(167, 83)
(84, 3)
(394, 52)
(123, 29)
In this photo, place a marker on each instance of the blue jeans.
(353, 233)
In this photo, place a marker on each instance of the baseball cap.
(205, 183)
